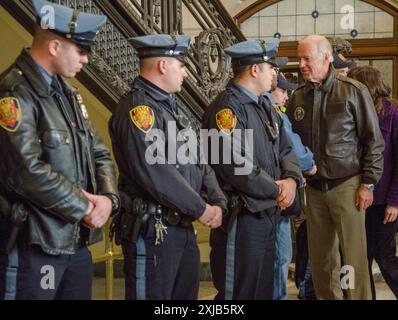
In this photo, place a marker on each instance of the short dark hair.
(239, 70)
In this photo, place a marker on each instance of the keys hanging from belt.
(160, 229)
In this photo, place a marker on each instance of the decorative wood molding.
(114, 63)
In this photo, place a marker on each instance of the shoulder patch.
(143, 118)
(10, 114)
(226, 120)
(299, 113)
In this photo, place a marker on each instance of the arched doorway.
(372, 31)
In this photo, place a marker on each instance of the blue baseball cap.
(285, 84)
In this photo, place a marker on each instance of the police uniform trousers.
(167, 271)
(242, 261)
(333, 220)
(28, 273)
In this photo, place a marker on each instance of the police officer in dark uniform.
(243, 252)
(148, 131)
(58, 179)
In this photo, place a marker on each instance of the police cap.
(79, 27)
(256, 51)
(162, 45)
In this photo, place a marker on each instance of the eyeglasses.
(276, 69)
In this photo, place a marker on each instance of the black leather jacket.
(338, 122)
(48, 159)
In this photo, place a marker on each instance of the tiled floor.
(207, 290)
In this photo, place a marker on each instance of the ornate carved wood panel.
(114, 63)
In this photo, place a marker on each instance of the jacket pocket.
(55, 138)
(335, 107)
(57, 150)
(342, 160)
(340, 150)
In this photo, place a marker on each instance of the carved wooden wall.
(114, 63)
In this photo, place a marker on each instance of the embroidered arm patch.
(226, 121)
(143, 118)
(10, 114)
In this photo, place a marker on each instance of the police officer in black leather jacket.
(149, 132)
(57, 174)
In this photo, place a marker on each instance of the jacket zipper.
(73, 133)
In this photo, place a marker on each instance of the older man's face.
(313, 64)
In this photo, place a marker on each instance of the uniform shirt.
(176, 186)
(273, 158)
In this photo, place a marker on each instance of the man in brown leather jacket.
(335, 118)
(57, 174)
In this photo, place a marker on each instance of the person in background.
(381, 216)
(283, 247)
(341, 65)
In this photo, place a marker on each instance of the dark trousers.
(302, 275)
(31, 274)
(242, 261)
(382, 247)
(168, 271)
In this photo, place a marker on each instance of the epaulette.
(351, 81)
(11, 78)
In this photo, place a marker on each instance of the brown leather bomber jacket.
(338, 122)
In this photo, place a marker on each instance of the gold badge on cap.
(299, 113)
(143, 118)
(226, 121)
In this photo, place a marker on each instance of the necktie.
(55, 84)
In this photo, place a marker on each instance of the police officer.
(148, 131)
(57, 174)
(242, 260)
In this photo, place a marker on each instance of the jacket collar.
(327, 84)
(151, 89)
(242, 97)
(32, 73)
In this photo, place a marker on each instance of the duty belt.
(173, 218)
